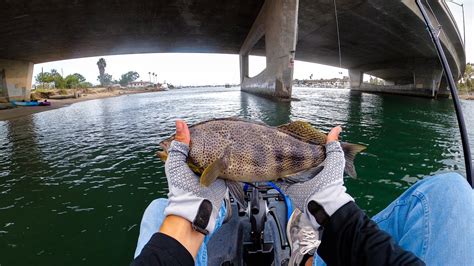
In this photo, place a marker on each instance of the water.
(75, 181)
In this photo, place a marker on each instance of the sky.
(213, 69)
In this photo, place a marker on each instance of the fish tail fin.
(236, 189)
(163, 155)
(350, 151)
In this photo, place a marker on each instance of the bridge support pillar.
(15, 79)
(355, 78)
(428, 80)
(277, 22)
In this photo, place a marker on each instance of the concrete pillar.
(443, 91)
(244, 67)
(428, 79)
(278, 22)
(355, 78)
(15, 79)
(3, 85)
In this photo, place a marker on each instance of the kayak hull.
(25, 103)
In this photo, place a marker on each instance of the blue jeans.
(434, 219)
(153, 218)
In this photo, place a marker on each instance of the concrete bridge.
(383, 38)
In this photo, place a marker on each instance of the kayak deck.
(254, 237)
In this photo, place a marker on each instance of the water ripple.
(73, 179)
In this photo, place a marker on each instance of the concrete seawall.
(408, 90)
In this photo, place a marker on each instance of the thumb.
(334, 134)
(182, 132)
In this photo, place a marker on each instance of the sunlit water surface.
(75, 181)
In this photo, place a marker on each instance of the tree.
(468, 73)
(74, 81)
(44, 77)
(102, 75)
(105, 80)
(58, 79)
(128, 77)
(466, 82)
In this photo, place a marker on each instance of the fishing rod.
(454, 93)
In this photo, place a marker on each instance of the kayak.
(255, 236)
(15, 103)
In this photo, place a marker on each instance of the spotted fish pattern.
(253, 151)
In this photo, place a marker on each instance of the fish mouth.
(165, 144)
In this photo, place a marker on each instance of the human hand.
(323, 195)
(187, 197)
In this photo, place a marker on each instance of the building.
(139, 84)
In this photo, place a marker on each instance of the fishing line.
(454, 93)
(338, 37)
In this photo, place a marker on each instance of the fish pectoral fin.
(304, 131)
(215, 169)
(350, 151)
(236, 189)
(163, 155)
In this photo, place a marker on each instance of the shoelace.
(309, 241)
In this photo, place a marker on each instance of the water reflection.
(270, 112)
(25, 153)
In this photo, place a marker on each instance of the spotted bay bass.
(241, 150)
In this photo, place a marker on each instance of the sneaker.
(303, 239)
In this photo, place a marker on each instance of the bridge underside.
(379, 37)
(421, 78)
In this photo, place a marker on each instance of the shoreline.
(466, 97)
(18, 112)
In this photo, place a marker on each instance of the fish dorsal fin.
(304, 131)
(231, 118)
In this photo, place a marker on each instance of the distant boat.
(15, 103)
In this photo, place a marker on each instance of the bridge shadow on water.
(271, 112)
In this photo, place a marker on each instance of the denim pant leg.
(434, 219)
(153, 218)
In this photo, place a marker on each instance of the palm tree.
(101, 64)
(149, 75)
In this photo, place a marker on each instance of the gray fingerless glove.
(326, 188)
(187, 197)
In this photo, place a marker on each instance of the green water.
(75, 181)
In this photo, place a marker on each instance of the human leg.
(434, 219)
(153, 218)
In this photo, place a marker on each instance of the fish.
(242, 150)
